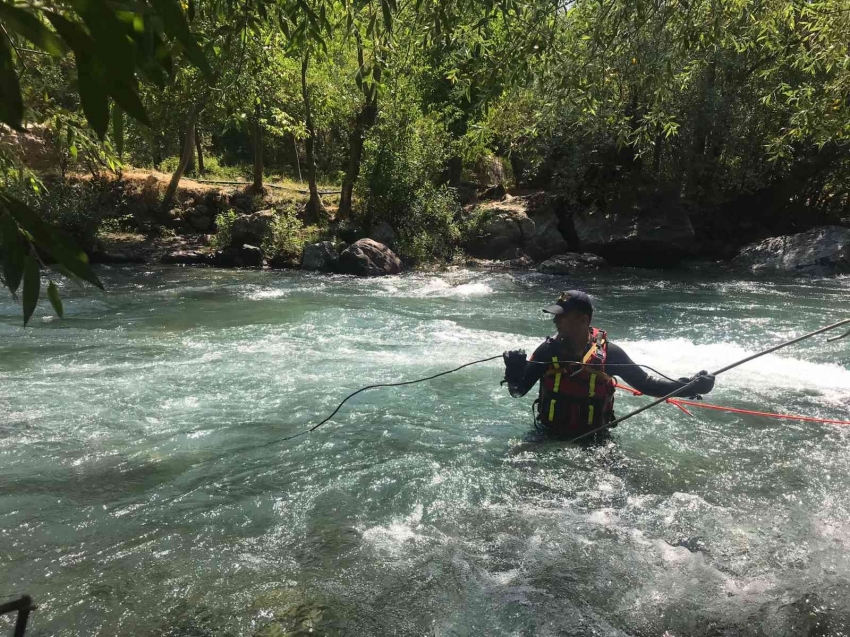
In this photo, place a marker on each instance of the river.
(145, 490)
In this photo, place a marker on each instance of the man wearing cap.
(573, 367)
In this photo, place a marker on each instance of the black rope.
(422, 380)
(407, 382)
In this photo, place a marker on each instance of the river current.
(145, 490)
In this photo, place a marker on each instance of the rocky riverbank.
(231, 227)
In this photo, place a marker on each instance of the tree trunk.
(200, 151)
(315, 207)
(365, 120)
(190, 167)
(257, 136)
(188, 151)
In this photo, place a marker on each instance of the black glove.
(704, 384)
(515, 363)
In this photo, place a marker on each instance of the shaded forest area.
(732, 113)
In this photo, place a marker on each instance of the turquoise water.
(144, 490)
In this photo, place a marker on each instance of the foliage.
(289, 235)
(112, 44)
(223, 225)
(738, 109)
(405, 155)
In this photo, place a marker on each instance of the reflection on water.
(143, 488)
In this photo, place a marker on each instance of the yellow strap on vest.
(557, 375)
(590, 414)
(590, 354)
(592, 385)
(552, 410)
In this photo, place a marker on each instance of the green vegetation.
(736, 110)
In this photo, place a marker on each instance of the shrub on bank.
(404, 158)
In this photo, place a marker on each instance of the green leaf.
(61, 247)
(32, 285)
(14, 252)
(126, 94)
(118, 129)
(55, 299)
(175, 24)
(93, 96)
(11, 104)
(388, 16)
(30, 27)
(112, 47)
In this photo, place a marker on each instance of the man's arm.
(625, 368)
(532, 373)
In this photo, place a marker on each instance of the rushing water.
(144, 490)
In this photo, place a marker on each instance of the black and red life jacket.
(578, 397)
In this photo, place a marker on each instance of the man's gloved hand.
(515, 363)
(704, 384)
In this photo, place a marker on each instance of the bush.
(77, 207)
(288, 236)
(405, 155)
(223, 225)
(215, 169)
(169, 164)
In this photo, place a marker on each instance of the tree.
(113, 45)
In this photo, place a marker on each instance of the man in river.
(576, 393)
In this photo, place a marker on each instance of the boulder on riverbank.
(570, 262)
(368, 258)
(652, 233)
(824, 250)
(518, 226)
(252, 229)
(185, 257)
(320, 256)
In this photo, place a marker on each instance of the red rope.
(678, 402)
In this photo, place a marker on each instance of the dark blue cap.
(569, 301)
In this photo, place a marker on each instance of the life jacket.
(578, 397)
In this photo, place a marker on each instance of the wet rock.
(515, 226)
(252, 229)
(643, 233)
(227, 258)
(820, 251)
(185, 257)
(116, 258)
(283, 261)
(571, 261)
(545, 239)
(502, 231)
(522, 262)
(694, 544)
(369, 258)
(250, 256)
(320, 256)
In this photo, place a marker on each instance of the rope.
(692, 403)
(683, 390)
(407, 382)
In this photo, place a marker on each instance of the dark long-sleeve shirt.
(617, 363)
